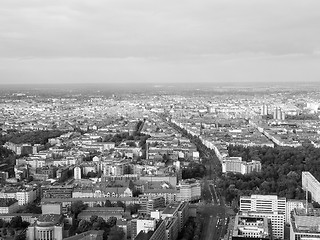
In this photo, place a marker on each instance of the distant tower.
(77, 173)
(279, 114)
(264, 110)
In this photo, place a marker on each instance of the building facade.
(270, 206)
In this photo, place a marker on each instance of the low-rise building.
(250, 227)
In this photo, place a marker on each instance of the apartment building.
(23, 196)
(8, 205)
(311, 184)
(189, 190)
(236, 165)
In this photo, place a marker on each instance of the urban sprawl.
(230, 166)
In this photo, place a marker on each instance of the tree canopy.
(280, 173)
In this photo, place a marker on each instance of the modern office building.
(159, 233)
(293, 204)
(179, 210)
(144, 225)
(149, 203)
(270, 206)
(251, 228)
(304, 225)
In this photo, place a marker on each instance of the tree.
(21, 236)
(111, 222)
(131, 185)
(11, 232)
(32, 208)
(4, 231)
(116, 233)
(93, 218)
(16, 222)
(83, 226)
(24, 224)
(108, 203)
(136, 193)
(121, 204)
(99, 224)
(77, 207)
(133, 208)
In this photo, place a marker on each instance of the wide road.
(212, 208)
(213, 212)
(214, 222)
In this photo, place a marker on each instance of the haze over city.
(48, 42)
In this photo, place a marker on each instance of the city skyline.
(159, 42)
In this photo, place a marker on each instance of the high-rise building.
(270, 206)
(77, 173)
(264, 110)
(278, 114)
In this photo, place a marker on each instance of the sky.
(167, 41)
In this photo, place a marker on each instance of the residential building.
(104, 212)
(236, 165)
(189, 190)
(8, 205)
(311, 184)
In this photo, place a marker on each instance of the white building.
(23, 196)
(236, 165)
(251, 227)
(189, 190)
(270, 206)
(293, 204)
(26, 196)
(311, 184)
(304, 226)
(144, 225)
(77, 173)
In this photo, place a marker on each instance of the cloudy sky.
(83, 41)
